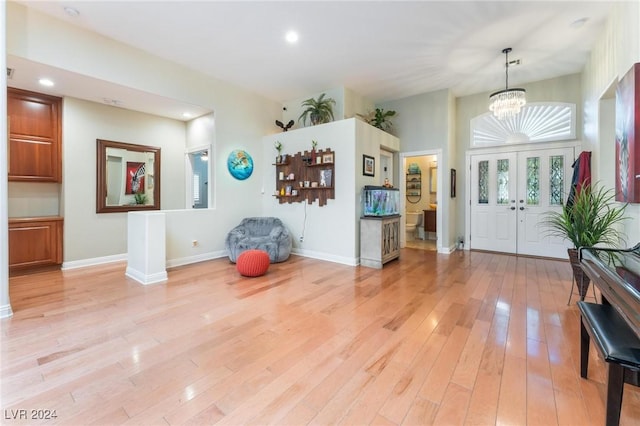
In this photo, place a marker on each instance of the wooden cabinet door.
(430, 221)
(34, 136)
(35, 242)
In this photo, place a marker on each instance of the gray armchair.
(263, 233)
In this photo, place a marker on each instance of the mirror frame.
(101, 178)
(433, 180)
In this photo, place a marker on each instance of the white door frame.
(514, 148)
(402, 183)
(188, 168)
(388, 155)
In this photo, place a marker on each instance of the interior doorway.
(419, 200)
(386, 166)
(198, 190)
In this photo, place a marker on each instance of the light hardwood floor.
(468, 338)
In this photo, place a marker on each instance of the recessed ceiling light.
(579, 23)
(113, 102)
(70, 11)
(291, 37)
(45, 82)
(186, 115)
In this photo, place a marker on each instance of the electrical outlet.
(194, 243)
(301, 238)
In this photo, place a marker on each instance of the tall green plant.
(382, 119)
(590, 220)
(317, 110)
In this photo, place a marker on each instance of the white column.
(146, 247)
(5, 303)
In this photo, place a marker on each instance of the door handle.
(512, 208)
(521, 208)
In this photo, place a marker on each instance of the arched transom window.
(537, 122)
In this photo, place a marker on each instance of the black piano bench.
(617, 344)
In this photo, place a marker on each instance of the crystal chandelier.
(506, 103)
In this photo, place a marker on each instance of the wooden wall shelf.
(301, 167)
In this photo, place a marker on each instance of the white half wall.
(331, 232)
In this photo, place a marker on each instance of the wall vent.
(10, 73)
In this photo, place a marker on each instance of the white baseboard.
(350, 261)
(94, 261)
(172, 263)
(5, 311)
(447, 250)
(146, 279)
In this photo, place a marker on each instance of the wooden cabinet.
(35, 137)
(35, 242)
(306, 176)
(430, 221)
(379, 240)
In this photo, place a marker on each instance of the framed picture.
(325, 178)
(327, 158)
(627, 150)
(453, 183)
(368, 165)
(134, 177)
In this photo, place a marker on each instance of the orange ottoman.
(253, 263)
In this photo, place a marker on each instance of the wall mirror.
(128, 177)
(433, 180)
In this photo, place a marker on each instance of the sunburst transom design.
(537, 122)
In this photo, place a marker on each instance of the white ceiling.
(382, 50)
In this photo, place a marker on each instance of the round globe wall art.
(240, 164)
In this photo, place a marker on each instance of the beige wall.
(241, 120)
(83, 123)
(425, 123)
(561, 89)
(613, 55)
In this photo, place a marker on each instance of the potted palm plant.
(591, 217)
(318, 111)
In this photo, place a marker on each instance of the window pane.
(199, 179)
(556, 180)
(503, 181)
(196, 188)
(533, 181)
(483, 182)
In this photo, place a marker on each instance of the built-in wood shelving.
(302, 169)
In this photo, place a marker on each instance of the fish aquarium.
(380, 201)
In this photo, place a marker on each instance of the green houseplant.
(318, 111)
(140, 197)
(589, 218)
(381, 119)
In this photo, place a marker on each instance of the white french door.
(511, 192)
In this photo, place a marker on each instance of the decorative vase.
(581, 278)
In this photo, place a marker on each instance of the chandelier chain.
(508, 102)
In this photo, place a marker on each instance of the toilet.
(414, 220)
